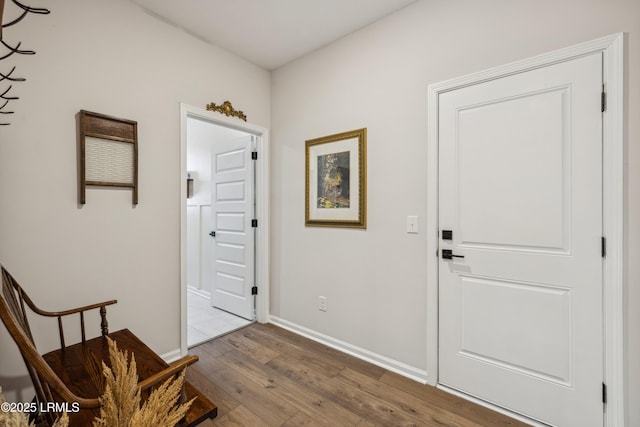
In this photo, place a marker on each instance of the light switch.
(412, 224)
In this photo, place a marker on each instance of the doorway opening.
(224, 225)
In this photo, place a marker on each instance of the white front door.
(233, 211)
(520, 190)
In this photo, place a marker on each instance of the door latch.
(448, 254)
(212, 234)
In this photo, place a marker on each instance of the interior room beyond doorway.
(206, 322)
(205, 319)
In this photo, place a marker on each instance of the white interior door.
(520, 189)
(233, 210)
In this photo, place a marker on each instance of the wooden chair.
(73, 374)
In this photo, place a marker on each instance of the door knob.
(448, 254)
(212, 234)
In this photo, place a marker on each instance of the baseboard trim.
(171, 356)
(198, 292)
(361, 353)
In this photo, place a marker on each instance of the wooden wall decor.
(23, 10)
(108, 153)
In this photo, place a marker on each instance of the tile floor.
(206, 322)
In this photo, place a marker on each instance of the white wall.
(112, 58)
(375, 280)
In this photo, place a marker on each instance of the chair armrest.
(70, 311)
(104, 325)
(168, 372)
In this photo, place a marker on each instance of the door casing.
(262, 211)
(612, 48)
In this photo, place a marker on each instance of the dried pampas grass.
(120, 403)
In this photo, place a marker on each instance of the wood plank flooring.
(263, 375)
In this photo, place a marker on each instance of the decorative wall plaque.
(227, 109)
(108, 151)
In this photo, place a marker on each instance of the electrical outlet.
(322, 303)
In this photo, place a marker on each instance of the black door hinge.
(254, 223)
(254, 155)
(254, 290)
(604, 247)
(603, 100)
(604, 393)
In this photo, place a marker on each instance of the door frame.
(614, 215)
(262, 210)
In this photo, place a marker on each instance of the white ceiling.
(271, 33)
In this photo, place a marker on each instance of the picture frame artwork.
(335, 187)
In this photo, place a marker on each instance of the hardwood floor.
(263, 375)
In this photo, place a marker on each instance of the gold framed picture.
(336, 180)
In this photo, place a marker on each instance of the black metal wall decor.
(6, 78)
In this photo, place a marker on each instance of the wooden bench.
(73, 374)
